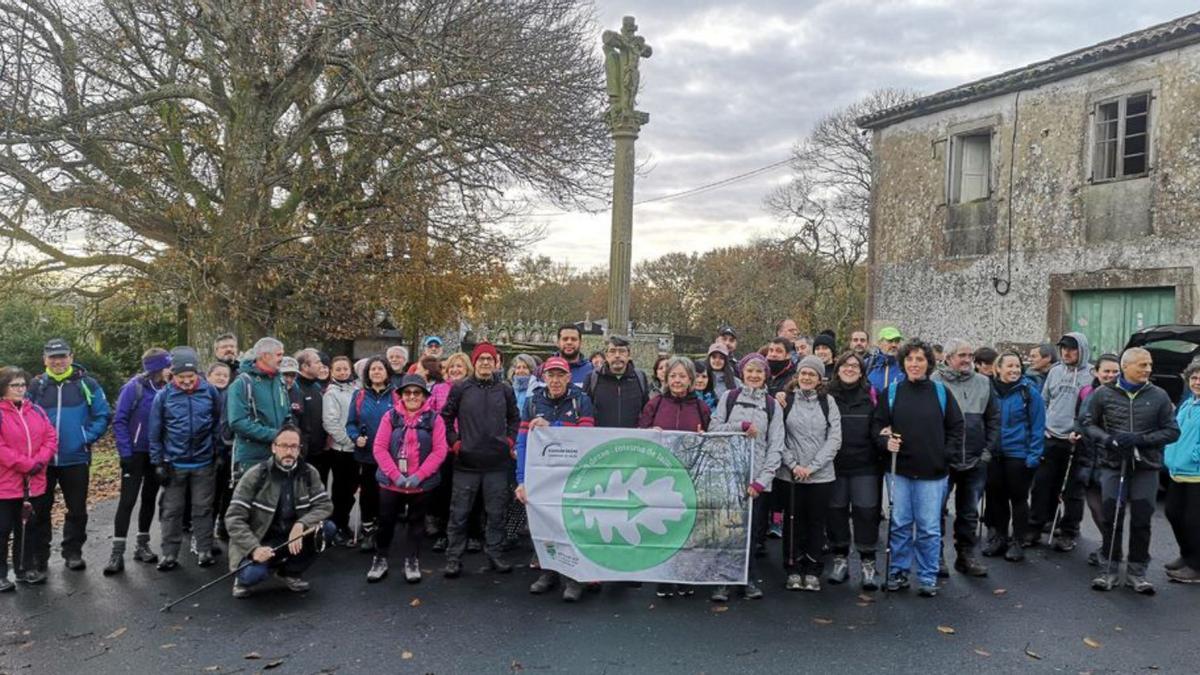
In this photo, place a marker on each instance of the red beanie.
(484, 348)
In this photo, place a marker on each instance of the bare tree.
(241, 152)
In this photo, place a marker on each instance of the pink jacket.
(412, 448)
(27, 438)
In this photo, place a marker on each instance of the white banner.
(640, 505)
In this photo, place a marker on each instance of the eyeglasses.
(412, 393)
(20, 385)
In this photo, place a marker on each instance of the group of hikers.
(268, 454)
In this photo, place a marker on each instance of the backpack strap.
(359, 397)
(823, 401)
(938, 388)
(731, 401)
(589, 386)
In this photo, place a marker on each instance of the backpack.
(226, 430)
(822, 400)
(939, 387)
(589, 386)
(731, 401)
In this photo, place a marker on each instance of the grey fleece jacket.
(810, 441)
(751, 408)
(981, 417)
(1061, 390)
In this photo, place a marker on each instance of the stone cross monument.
(622, 51)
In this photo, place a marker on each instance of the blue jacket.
(132, 417)
(1182, 458)
(884, 370)
(78, 410)
(367, 408)
(185, 426)
(1022, 426)
(574, 409)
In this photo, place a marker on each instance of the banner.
(639, 504)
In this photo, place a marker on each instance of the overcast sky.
(731, 86)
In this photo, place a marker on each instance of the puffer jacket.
(482, 419)
(750, 408)
(981, 416)
(1086, 452)
(1147, 412)
(420, 438)
(671, 413)
(185, 426)
(811, 440)
(313, 438)
(858, 455)
(27, 439)
(77, 407)
(572, 409)
(335, 413)
(132, 416)
(367, 408)
(258, 408)
(1182, 458)
(256, 499)
(1022, 423)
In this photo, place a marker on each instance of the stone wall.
(933, 263)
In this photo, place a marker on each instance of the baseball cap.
(1068, 342)
(727, 330)
(432, 339)
(56, 347)
(890, 333)
(289, 365)
(718, 348)
(556, 363)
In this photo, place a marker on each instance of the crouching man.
(275, 502)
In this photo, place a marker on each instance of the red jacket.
(411, 448)
(27, 438)
(675, 414)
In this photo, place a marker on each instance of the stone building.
(1064, 195)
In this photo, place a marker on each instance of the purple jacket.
(675, 414)
(131, 423)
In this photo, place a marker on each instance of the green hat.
(890, 333)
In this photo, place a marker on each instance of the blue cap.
(431, 340)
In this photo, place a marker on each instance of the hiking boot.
(167, 563)
(412, 570)
(870, 578)
(474, 545)
(897, 582)
(206, 559)
(572, 590)
(219, 531)
(1015, 553)
(293, 584)
(1095, 558)
(839, 571)
(1184, 575)
(752, 591)
(965, 564)
(1105, 582)
(366, 544)
(943, 570)
(498, 565)
(794, 582)
(811, 583)
(664, 590)
(379, 569)
(240, 591)
(545, 581)
(996, 545)
(1031, 539)
(342, 538)
(75, 563)
(440, 544)
(116, 563)
(775, 531)
(720, 594)
(1064, 543)
(1176, 564)
(143, 554)
(432, 527)
(7, 586)
(453, 569)
(927, 590)
(1139, 584)
(33, 577)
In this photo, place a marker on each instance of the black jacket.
(617, 401)
(1149, 413)
(858, 455)
(313, 437)
(487, 424)
(930, 438)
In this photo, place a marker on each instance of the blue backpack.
(938, 386)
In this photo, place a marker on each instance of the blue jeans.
(917, 524)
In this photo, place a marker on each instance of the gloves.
(400, 481)
(412, 482)
(456, 447)
(163, 473)
(1124, 440)
(985, 456)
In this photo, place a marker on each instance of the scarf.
(1005, 388)
(60, 378)
(1128, 386)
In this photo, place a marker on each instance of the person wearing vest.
(558, 404)
(369, 405)
(409, 449)
(919, 422)
(130, 423)
(1182, 460)
(277, 501)
(79, 410)
(1019, 451)
(27, 444)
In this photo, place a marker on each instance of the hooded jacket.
(129, 422)
(367, 408)
(482, 420)
(1022, 425)
(884, 370)
(1182, 458)
(27, 439)
(1061, 390)
(185, 426)
(858, 455)
(981, 416)
(258, 408)
(335, 413)
(1147, 412)
(76, 406)
(751, 408)
(670, 413)
(256, 499)
(313, 439)
(811, 441)
(420, 440)
(572, 409)
(618, 400)
(930, 436)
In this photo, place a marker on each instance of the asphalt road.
(487, 623)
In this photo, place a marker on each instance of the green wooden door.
(1107, 318)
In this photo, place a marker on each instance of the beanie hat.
(753, 357)
(484, 348)
(184, 360)
(154, 364)
(813, 363)
(827, 340)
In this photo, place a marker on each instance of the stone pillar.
(619, 261)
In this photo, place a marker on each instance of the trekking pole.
(887, 551)
(26, 516)
(1059, 507)
(791, 539)
(1117, 515)
(167, 607)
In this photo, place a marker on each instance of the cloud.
(732, 86)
